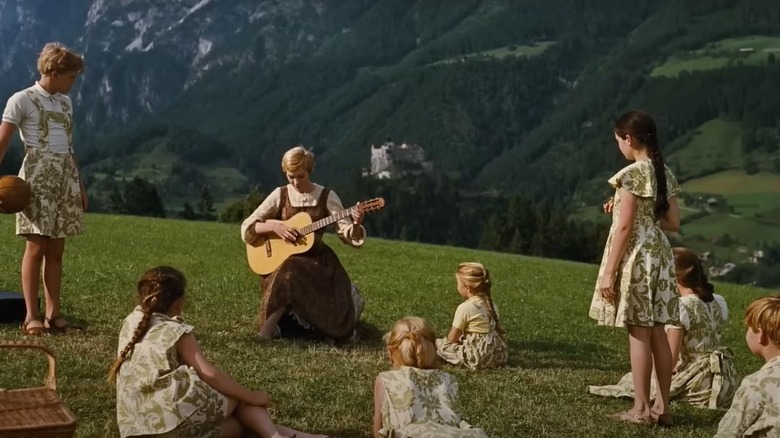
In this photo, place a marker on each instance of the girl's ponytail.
(477, 277)
(140, 331)
(158, 290)
(704, 289)
(690, 273)
(661, 205)
(642, 128)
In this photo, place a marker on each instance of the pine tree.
(187, 212)
(206, 208)
(142, 199)
(116, 202)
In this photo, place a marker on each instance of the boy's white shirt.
(23, 113)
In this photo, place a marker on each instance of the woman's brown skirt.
(315, 288)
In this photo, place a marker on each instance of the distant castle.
(390, 160)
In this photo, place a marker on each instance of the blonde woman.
(310, 294)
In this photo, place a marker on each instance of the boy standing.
(755, 411)
(44, 117)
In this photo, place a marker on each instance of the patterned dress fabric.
(645, 281)
(755, 411)
(422, 404)
(706, 376)
(55, 209)
(158, 395)
(476, 350)
(314, 286)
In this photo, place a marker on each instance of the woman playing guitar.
(309, 293)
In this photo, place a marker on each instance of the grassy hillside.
(752, 205)
(735, 182)
(556, 351)
(525, 50)
(715, 145)
(729, 52)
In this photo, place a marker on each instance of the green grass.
(716, 145)
(746, 230)
(754, 198)
(556, 351)
(736, 182)
(720, 54)
(527, 50)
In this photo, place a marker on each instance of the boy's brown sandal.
(33, 331)
(58, 324)
(662, 420)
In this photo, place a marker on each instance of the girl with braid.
(415, 398)
(476, 338)
(704, 373)
(636, 283)
(166, 387)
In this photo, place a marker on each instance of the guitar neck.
(314, 226)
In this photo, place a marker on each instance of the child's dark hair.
(690, 273)
(476, 276)
(158, 290)
(642, 128)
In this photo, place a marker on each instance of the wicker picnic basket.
(35, 412)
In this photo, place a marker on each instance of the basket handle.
(51, 380)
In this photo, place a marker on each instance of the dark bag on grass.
(11, 307)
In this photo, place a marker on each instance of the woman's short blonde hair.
(298, 158)
(57, 58)
(412, 342)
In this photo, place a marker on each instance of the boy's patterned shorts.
(55, 209)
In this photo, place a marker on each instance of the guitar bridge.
(268, 247)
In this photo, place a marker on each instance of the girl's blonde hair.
(158, 290)
(477, 277)
(55, 57)
(764, 314)
(412, 342)
(298, 158)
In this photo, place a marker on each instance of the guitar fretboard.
(314, 226)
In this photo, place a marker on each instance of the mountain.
(502, 95)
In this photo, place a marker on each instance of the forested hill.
(516, 96)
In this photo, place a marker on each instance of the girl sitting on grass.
(415, 399)
(166, 387)
(704, 374)
(476, 338)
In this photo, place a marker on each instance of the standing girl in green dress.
(704, 374)
(636, 283)
(166, 387)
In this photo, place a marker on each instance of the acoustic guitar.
(265, 256)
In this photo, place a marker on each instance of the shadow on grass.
(335, 434)
(542, 353)
(695, 418)
(368, 336)
(346, 433)
(74, 326)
